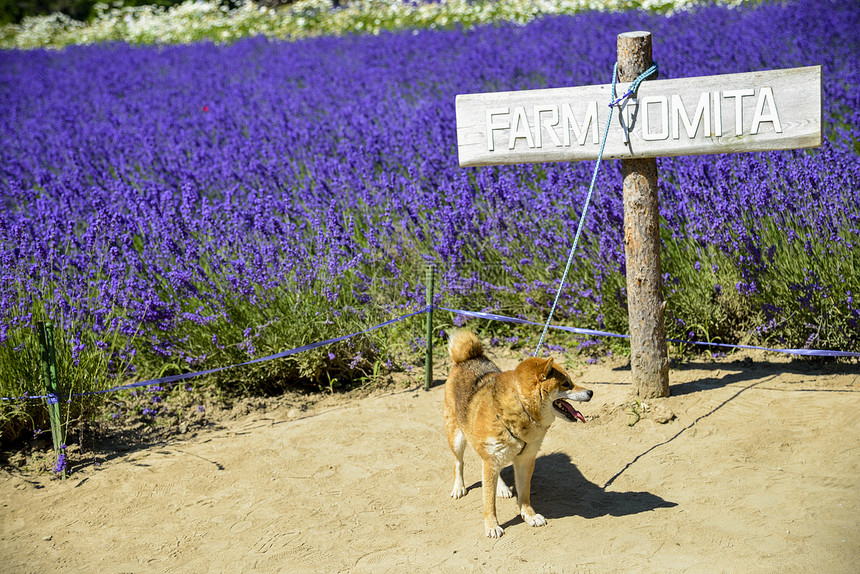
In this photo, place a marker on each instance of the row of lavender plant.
(185, 207)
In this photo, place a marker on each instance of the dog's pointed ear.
(545, 369)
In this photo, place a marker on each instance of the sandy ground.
(758, 471)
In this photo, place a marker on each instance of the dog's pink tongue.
(570, 410)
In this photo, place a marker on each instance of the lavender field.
(186, 207)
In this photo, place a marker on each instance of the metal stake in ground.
(649, 358)
(52, 384)
(428, 359)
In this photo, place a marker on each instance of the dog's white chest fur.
(503, 451)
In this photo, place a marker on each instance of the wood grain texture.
(794, 93)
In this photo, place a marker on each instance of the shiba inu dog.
(504, 416)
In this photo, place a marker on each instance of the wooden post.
(428, 359)
(649, 359)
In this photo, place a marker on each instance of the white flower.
(197, 19)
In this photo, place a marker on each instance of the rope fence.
(53, 397)
(595, 333)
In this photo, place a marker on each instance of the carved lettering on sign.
(766, 98)
(660, 117)
(569, 124)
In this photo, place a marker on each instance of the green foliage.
(801, 277)
(85, 362)
(278, 320)
(281, 320)
(700, 294)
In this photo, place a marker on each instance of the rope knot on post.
(616, 101)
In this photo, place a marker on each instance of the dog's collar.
(527, 411)
(515, 437)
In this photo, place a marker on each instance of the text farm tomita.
(755, 111)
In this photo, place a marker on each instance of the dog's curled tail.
(464, 345)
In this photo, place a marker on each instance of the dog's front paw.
(495, 531)
(534, 519)
(459, 491)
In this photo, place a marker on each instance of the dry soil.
(750, 466)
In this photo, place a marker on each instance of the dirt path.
(759, 471)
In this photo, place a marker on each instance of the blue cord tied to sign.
(633, 87)
(615, 101)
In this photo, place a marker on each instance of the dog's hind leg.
(458, 447)
(502, 489)
(488, 485)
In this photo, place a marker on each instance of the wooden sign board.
(755, 111)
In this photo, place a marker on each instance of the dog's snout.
(589, 393)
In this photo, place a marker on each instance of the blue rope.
(594, 333)
(53, 399)
(614, 102)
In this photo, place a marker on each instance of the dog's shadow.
(560, 490)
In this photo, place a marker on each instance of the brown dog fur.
(504, 416)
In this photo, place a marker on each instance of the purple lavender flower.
(275, 180)
(60, 466)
